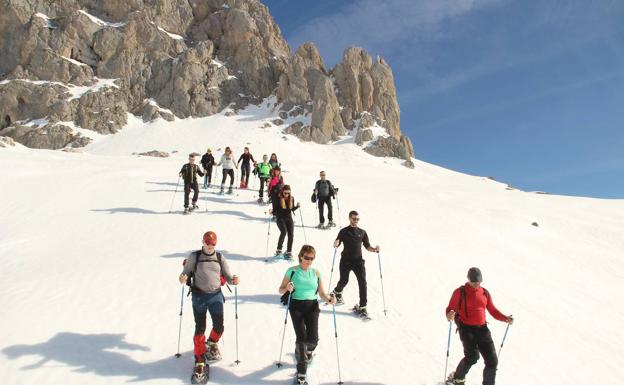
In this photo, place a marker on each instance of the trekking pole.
(337, 354)
(383, 296)
(266, 253)
(504, 337)
(303, 226)
(174, 194)
(448, 348)
(338, 206)
(236, 317)
(279, 361)
(332, 269)
(177, 355)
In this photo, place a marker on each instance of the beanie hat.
(474, 275)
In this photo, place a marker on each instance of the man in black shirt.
(351, 259)
(189, 173)
(324, 191)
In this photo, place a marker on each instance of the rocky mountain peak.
(89, 63)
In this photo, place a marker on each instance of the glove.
(255, 171)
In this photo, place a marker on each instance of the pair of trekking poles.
(177, 355)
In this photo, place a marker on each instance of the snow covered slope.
(90, 257)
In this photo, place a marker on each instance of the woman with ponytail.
(282, 209)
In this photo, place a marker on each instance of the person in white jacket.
(229, 164)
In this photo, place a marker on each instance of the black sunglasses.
(308, 258)
(355, 219)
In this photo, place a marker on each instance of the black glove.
(255, 171)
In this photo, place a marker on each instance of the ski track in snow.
(90, 258)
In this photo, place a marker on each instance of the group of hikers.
(206, 270)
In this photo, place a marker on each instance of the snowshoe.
(193, 208)
(200, 373)
(212, 352)
(278, 252)
(221, 191)
(361, 312)
(451, 380)
(187, 211)
(230, 191)
(288, 256)
(300, 379)
(331, 224)
(320, 226)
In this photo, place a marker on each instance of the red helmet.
(210, 238)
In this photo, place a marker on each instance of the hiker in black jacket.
(207, 161)
(284, 206)
(189, 173)
(325, 191)
(247, 159)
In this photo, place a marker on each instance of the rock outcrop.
(93, 62)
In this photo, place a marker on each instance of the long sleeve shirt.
(208, 273)
(471, 309)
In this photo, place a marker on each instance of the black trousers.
(208, 175)
(325, 201)
(477, 339)
(187, 192)
(245, 173)
(263, 182)
(285, 225)
(357, 266)
(226, 172)
(304, 315)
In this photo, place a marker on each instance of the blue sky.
(528, 92)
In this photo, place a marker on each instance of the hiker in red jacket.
(467, 307)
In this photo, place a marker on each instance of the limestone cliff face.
(90, 63)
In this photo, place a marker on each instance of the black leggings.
(477, 339)
(245, 173)
(226, 172)
(208, 176)
(304, 315)
(285, 225)
(263, 181)
(357, 266)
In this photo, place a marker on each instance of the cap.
(210, 238)
(209, 149)
(474, 275)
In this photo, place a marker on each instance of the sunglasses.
(355, 219)
(308, 258)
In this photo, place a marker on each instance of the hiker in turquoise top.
(305, 285)
(263, 170)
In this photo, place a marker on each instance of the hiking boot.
(451, 380)
(301, 379)
(361, 310)
(338, 295)
(212, 353)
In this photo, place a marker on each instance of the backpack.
(285, 298)
(462, 298)
(190, 282)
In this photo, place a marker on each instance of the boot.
(212, 353)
